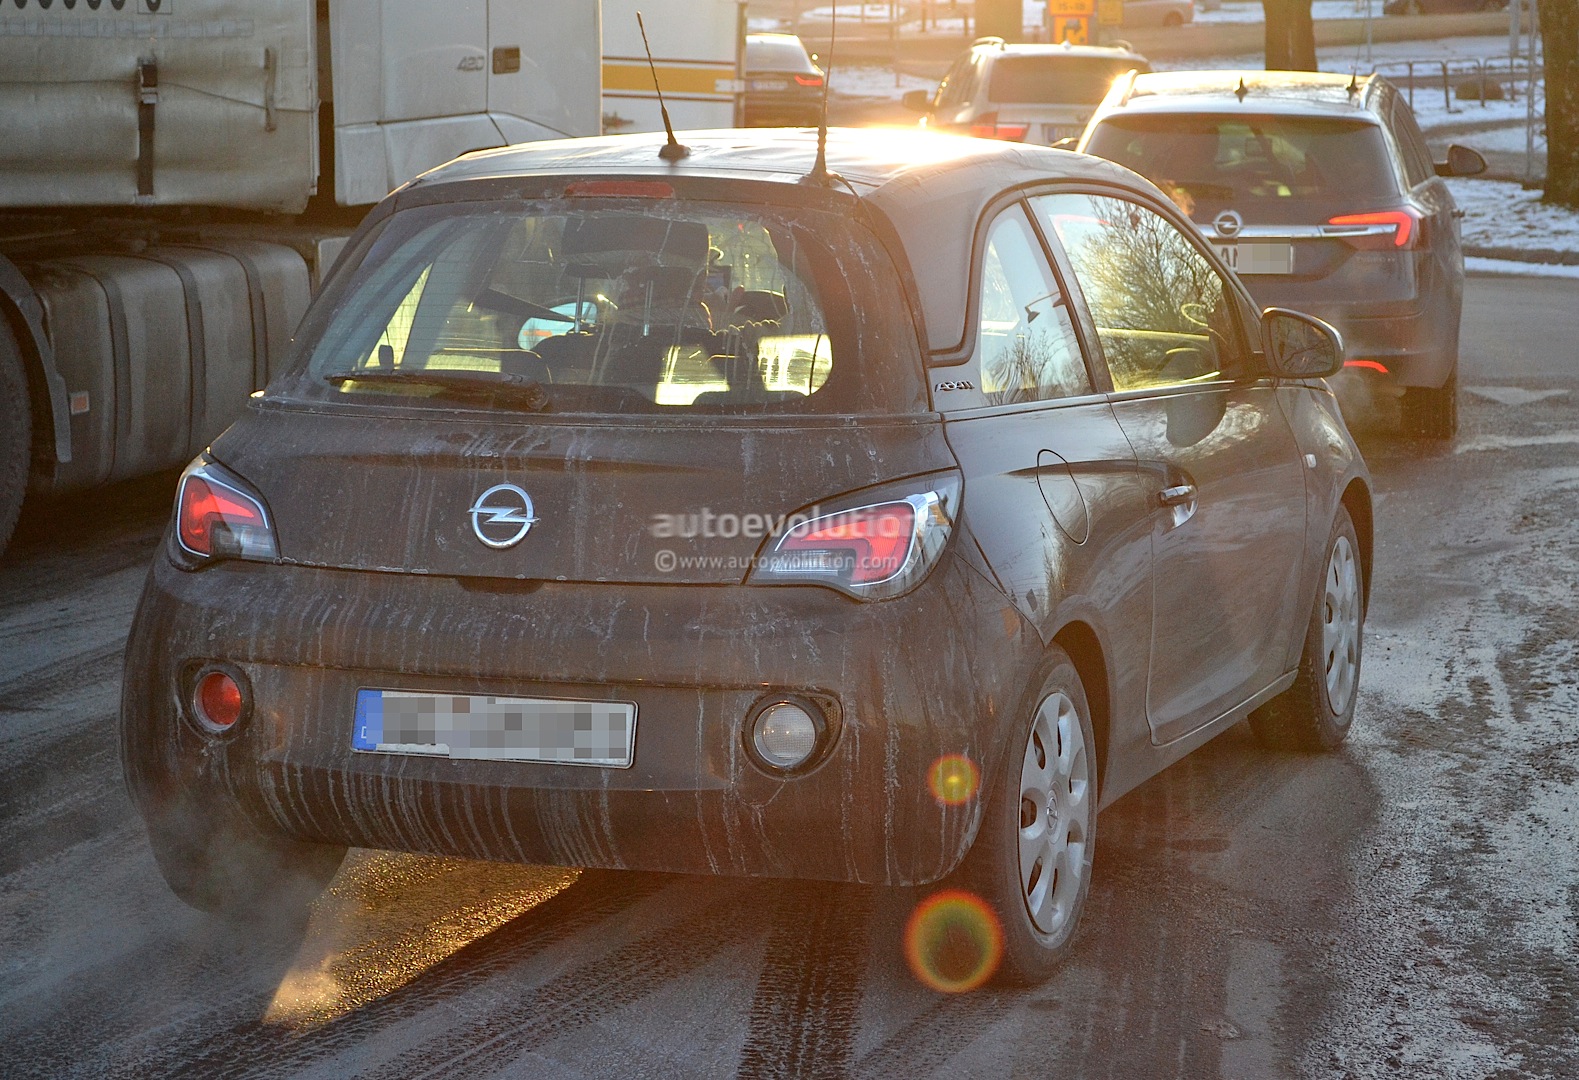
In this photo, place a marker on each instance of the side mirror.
(1300, 346)
(1461, 161)
(917, 101)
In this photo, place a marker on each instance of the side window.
(955, 85)
(1163, 312)
(1025, 340)
(1418, 164)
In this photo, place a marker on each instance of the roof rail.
(994, 40)
(1127, 82)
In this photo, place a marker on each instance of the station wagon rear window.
(1241, 159)
(581, 306)
(1063, 80)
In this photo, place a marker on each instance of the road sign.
(1075, 29)
(1070, 7)
(1110, 12)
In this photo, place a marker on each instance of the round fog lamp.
(784, 735)
(218, 699)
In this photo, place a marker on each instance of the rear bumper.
(937, 672)
(1410, 342)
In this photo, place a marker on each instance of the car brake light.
(219, 701)
(988, 127)
(1382, 228)
(873, 551)
(809, 80)
(217, 518)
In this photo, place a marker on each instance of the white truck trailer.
(176, 174)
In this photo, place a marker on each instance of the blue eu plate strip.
(369, 730)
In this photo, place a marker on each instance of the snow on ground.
(875, 81)
(1476, 265)
(1498, 213)
(1250, 11)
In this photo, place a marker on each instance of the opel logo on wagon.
(502, 516)
(1228, 223)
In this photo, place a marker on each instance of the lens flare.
(954, 779)
(953, 941)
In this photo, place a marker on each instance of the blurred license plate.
(769, 85)
(1258, 258)
(1051, 133)
(489, 728)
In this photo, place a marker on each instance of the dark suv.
(1320, 192)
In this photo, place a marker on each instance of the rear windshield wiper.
(501, 389)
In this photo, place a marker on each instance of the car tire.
(1317, 711)
(216, 861)
(16, 432)
(1432, 412)
(1051, 764)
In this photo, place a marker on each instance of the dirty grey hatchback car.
(729, 515)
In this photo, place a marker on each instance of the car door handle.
(1177, 495)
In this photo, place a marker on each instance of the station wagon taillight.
(880, 547)
(808, 80)
(1378, 229)
(988, 127)
(218, 517)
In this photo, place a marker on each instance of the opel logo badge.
(502, 516)
(1228, 223)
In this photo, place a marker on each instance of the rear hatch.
(1045, 97)
(588, 390)
(1279, 197)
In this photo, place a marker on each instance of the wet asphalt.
(1405, 906)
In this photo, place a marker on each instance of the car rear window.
(1072, 80)
(1241, 159)
(776, 56)
(665, 307)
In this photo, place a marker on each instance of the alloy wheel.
(1055, 814)
(1340, 628)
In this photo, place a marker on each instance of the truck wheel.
(1031, 861)
(1432, 412)
(216, 861)
(1316, 712)
(16, 432)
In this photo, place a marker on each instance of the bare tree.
(1560, 29)
(1291, 35)
(1000, 18)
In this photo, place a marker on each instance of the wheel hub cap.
(1055, 814)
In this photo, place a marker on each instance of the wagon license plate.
(1249, 258)
(770, 86)
(1051, 133)
(491, 728)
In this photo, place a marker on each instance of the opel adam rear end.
(602, 522)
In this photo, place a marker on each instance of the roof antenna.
(1242, 91)
(819, 170)
(672, 150)
(1354, 83)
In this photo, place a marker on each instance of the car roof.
(1292, 93)
(932, 187)
(1000, 47)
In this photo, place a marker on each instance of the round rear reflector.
(785, 735)
(218, 700)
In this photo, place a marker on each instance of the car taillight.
(217, 517)
(872, 551)
(1379, 229)
(988, 127)
(808, 80)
